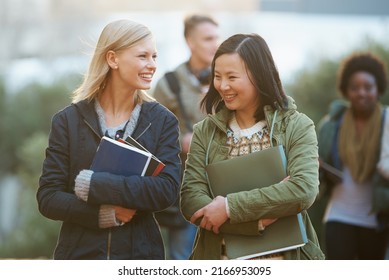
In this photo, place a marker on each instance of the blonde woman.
(106, 216)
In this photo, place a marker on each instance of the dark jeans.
(348, 242)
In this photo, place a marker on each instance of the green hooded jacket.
(296, 132)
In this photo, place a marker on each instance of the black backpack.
(174, 86)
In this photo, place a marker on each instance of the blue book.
(257, 170)
(121, 159)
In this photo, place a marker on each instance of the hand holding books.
(125, 158)
(283, 234)
(212, 215)
(124, 215)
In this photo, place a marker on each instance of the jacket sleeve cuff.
(82, 184)
(260, 226)
(107, 217)
(227, 208)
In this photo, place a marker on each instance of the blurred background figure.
(350, 140)
(181, 91)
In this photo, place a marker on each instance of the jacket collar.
(281, 114)
(336, 108)
(86, 109)
(221, 118)
(146, 118)
(89, 115)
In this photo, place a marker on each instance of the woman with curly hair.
(350, 140)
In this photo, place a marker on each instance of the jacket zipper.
(94, 131)
(109, 230)
(143, 132)
(109, 244)
(109, 238)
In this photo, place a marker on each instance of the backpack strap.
(336, 162)
(383, 119)
(174, 86)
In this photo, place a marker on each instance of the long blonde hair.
(116, 36)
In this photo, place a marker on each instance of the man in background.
(181, 92)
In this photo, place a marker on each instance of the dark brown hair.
(261, 68)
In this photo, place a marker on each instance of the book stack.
(257, 170)
(125, 157)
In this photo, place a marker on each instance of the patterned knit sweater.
(249, 140)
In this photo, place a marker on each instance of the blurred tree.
(314, 88)
(34, 236)
(2, 119)
(25, 124)
(29, 111)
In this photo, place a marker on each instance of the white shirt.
(350, 203)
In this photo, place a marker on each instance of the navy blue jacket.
(73, 140)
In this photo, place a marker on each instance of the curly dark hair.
(362, 61)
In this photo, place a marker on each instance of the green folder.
(244, 173)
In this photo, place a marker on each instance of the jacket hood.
(291, 104)
(336, 108)
(88, 113)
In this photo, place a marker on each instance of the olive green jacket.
(296, 132)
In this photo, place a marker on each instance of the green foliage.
(24, 126)
(34, 236)
(314, 88)
(27, 112)
(2, 118)
(31, 152)
(2, 96)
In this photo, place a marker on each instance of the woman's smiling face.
(362, 92)
(233, 83)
